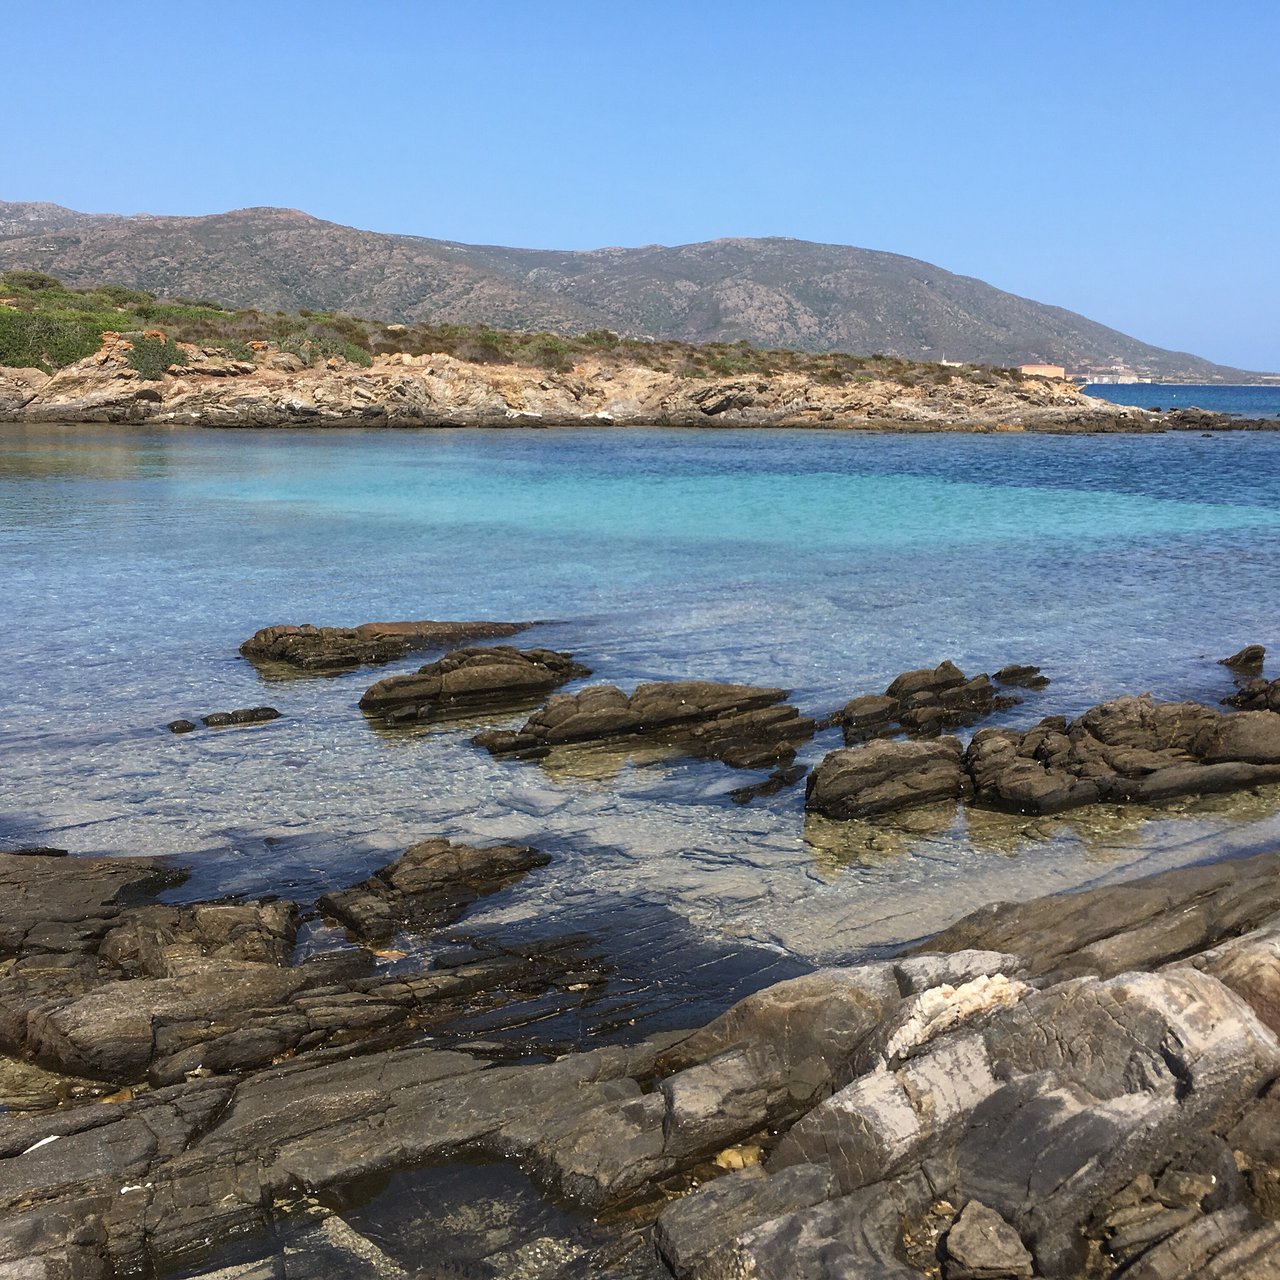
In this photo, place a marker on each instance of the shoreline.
(274, 390)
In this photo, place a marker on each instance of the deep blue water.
(136, 560)
(1242, 402)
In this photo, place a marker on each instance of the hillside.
(770, 292)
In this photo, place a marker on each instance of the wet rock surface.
(430, 884)
(743, 726)
(311, 648)
(496, 679)
(1069, 1087)
(1257, 695)
(226, 719)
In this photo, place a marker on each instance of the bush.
(151, 357)
(32, 341)
(33, 281)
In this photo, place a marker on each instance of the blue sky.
(1119, 159)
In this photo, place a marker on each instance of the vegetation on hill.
(772, 293)
(46, 325)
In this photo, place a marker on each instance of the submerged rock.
(496, 679)
(228, 719)
(1256, 695)
(430, 884)
(742, 725)
(311, 648)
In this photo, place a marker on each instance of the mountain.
(771, 292)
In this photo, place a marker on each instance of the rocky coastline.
(1076, 1087)
(275, 389)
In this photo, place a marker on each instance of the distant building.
(1043, 370)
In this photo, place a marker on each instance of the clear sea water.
(135, 561)
(1240, 402)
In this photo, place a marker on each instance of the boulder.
(496, 679)
(1130, 750)
(886, 776)
(310, 648)
(1250, 659)
(981, 1245)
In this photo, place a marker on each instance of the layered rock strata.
(744, 726)
(438, 390)
(464, 681)
(310, 648)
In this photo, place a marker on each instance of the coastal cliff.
(275, 389)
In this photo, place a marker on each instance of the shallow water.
(136, 560)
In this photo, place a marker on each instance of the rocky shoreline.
(275, 390)
(1076, 1087)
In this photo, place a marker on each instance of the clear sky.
(1118, 158)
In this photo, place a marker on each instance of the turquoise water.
(136, 560)
(1241, 402)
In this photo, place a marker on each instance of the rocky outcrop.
(311, 648)
(925, 702)
(1130, 750)
(430, 884)
(1097, 1099)
(1256, 695)
(438, 390)
(18, 387)
(464, 681)
(742, 725)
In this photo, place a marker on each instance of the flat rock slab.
(493, 679)
(44, 896)
(429, 885)
(1136, 925)
(744, 726)
(310, 648)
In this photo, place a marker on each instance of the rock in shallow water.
(742, 725)
(495, 679)
(310, 648)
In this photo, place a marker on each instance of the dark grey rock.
(228, 719)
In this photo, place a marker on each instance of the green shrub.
(32, 341)
(151, 357)
(31, 281)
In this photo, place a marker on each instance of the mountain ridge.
(771, 291)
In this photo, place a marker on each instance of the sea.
(1238, 401)
(137, 559)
